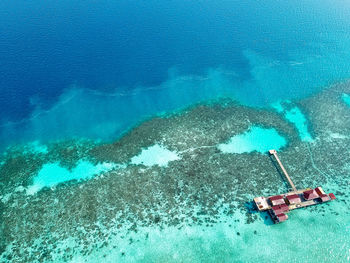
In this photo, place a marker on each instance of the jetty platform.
(279, 205)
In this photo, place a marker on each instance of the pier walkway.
(278, 205)
(274, 153)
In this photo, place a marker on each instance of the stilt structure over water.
(279, 205)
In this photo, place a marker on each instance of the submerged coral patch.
(155, 155)
(255, 139)
(51, 174)
(126, 213)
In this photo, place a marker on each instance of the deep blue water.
(147, 57)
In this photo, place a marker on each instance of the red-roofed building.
(279, 209)
(325, 198)
(277, 200)
(310, 194)
(319, 191)
(281, 217)
(293, 199)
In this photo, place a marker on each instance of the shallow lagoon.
(255, 139)
(346, 99)
(52, 174)
(155, 155)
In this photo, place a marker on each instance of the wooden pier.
(279, 205)
(274, 153)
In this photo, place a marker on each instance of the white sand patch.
(155, 155)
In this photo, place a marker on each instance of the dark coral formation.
(192, 190)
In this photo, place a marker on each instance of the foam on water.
(255, 139)
(155, 155)
(52, 174)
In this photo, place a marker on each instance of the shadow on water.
(252, 209)
(266, 218)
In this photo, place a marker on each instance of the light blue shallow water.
(52, 174)
(346, 99)
(255, 139)
(295, 116)
(155, 155)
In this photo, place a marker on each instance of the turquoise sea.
(138, 131)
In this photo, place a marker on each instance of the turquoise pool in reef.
(155, 155)
(138, 131)
(255, 139)
(346, 99)
(52, 174)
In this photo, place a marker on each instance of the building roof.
(282, 217)
(276, 197)
(319, 191)
(332, 196)
(325, 198)
(293, 197)
(278, 209)
(277, 200)
(261, 203)
(310, 194)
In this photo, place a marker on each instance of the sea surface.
(138, 131)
